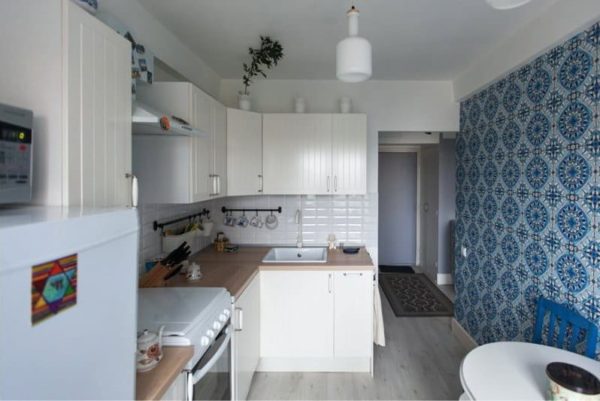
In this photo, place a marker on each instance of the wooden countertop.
(235, 271)
(152, 385)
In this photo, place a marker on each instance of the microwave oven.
(16, 151)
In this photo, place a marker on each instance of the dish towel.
(378, 329)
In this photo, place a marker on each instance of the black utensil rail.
(204, 212)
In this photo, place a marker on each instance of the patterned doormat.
(414, 295)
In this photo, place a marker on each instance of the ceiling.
(411, 39)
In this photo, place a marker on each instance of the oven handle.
(197, 375)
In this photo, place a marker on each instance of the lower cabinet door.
(353, 314)
(246, 338)
(296, 317)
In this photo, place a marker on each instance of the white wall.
(557, 23)
(162, 42)
(36, 85)
(429, 210)
(390, 105)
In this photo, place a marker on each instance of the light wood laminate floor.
(420, 362)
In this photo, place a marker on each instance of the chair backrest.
(570, 324)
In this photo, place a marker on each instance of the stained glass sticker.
(53, 287)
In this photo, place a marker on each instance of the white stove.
(191, 316)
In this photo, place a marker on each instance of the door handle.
(240, 319)
(134, 189)
(213, 179)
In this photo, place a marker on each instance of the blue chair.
(570, 324)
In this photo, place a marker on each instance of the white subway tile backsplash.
(352, 219)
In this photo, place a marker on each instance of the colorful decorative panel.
(53, 287)
(528, 193)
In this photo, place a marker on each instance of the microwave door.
(210, 379)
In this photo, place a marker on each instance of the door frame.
(409, 149)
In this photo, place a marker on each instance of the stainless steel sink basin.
(296, 255)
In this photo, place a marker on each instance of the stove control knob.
(217, 325)
(227, 312)
(222, 318)
(204, 341)
(210, 333)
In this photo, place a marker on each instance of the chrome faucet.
(299, 222)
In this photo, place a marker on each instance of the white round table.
(514, 370)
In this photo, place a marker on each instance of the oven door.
(210, 379)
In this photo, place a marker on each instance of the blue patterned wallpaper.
(528, 193)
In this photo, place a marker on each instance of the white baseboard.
(444, 279)
(463, 337)
(357, 364)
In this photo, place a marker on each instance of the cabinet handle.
(353, 274)
(260, 183)
(240, 319)
(213, 179)
(335, 183)
(328, 182)
(218, 184)
(134, 189)
(329, 283)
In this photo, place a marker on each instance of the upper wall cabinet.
(244, 153)
(349, 153)
(314, 153)
(97, 147)
(182, 169)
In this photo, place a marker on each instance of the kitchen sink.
(296, 255)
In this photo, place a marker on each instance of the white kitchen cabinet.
(196, 175)
(176, 391)
(349, 153)
(74, 73)
(218, 172)
(244, 153)
(97, 146)
(316, 321)
(297, 154)
(315, 153)
(353, 317)
(172, 169)
(179, 99)
(296, 317)
(246, 339)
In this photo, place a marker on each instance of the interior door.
(98, 124)
(349, 154)
(397, 208)
(297, 153)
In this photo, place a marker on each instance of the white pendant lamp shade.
(353, 54)
(506, 4)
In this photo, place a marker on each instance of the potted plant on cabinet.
(264, 58)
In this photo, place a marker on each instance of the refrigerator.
(68, 302)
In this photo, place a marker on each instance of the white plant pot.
(345, 105)
(299, 105)
(244, 102)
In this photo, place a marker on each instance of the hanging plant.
(264, 58)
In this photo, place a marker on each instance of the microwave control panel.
(15, 155)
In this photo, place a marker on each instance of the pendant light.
(506, 4)
(353, 54)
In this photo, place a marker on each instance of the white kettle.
(149, 350)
